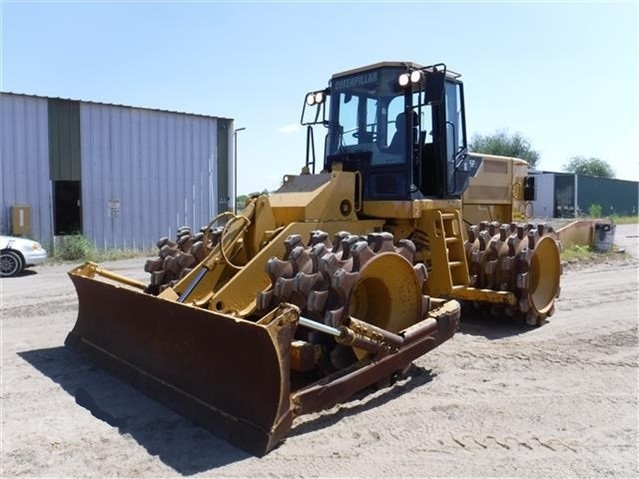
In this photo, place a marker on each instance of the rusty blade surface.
(227, 374)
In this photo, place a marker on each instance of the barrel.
(604, 237)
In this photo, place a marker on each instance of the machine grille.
(388, 185)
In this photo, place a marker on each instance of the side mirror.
(435, 87)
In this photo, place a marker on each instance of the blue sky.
(563, 74)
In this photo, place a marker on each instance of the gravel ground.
(627, 238)
(498, 399)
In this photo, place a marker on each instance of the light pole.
(235, 167)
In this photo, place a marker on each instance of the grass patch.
(74, 248)
(78, 248)
(625, 220)
(577, 253)
(595, 211)
(582, 254)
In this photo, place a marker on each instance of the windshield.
(415, 132)
(367, 115)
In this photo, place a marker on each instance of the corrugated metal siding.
(24, 162)
(137, 107)
(64, 140)
(160, 167)
(614, 196)
(543, 206)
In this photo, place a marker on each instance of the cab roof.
(406, 65)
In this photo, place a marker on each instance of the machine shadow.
(482, 323)
(367, 399)
(177, 442)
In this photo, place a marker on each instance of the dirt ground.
(499, 399)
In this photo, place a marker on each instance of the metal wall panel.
(24, 162)
(543, 206)
(145, 173)
(618, 197)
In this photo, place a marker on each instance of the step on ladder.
(448, 227)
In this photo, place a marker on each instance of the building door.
(564, 196)
(67, 210)
(65, 165)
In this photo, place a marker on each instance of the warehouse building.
(562, 195)
(121, 176)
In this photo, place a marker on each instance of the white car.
(19, 253)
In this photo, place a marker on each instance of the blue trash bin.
(604, 237)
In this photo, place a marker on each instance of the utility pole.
(235, 132)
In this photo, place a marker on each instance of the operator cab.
(401, 125)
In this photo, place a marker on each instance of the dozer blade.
(246, 381)
(227, 374)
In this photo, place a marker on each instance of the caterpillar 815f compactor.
(336, 281)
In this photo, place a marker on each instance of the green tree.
(581, 165)
(240, 201)
(505, 144)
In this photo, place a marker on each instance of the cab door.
(457, 173)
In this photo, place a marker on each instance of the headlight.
(415, 76)
(319, 97)
(403, 79)
(36, 246)
(310, 99)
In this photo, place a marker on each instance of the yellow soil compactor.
(336, 281)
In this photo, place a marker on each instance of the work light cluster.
(413, 77)
(315, 98)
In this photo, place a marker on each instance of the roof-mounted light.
(315, 98)
(416, 76)
(403, 79)
(310, 99)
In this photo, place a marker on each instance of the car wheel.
(10, 263)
